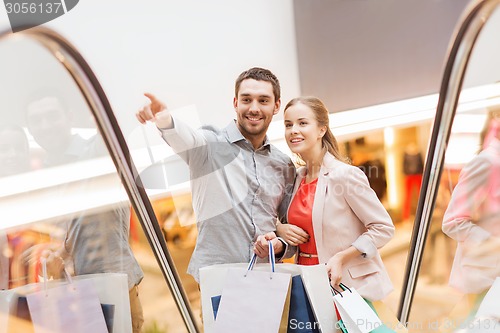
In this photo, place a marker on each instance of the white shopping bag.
(247, 314)
(72, 307)
(252, 301)
(111, 288)
(317, 285)
(315, 278)
(356, 314)
(318, 291)
(490, 305)
(212, 280)
(487, 317)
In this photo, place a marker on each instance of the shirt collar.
(234, 135)
(77, 146)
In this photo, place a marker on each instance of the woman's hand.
(334, 270)
(292, 234)
(335, 265)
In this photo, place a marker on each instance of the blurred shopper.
(413, 168)
(374, 170)
(240, 182)
(14, 150)
(94, 242)
(334, 216)
(4, 261)
(473, 216)
(14, 159)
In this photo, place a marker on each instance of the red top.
(300, 214)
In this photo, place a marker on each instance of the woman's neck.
(313, 161)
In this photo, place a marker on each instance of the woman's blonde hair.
(321, 115)
(490, 124)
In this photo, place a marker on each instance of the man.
(49, 121)
(95, 242)
(240, 183)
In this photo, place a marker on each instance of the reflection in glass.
(14, 150)
(49, 121)
(472, 220)
(61, 198)
(460, 261)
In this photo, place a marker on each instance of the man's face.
(49, 124)
(255, 107)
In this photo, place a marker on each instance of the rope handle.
(272, 260)
(45, 275)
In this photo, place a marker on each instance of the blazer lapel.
(318, 208)
(300, 174)
(298, 179)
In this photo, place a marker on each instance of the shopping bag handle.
(342, 286)
(272, 260)
(335, 292)
(43, 261)
(45, 275)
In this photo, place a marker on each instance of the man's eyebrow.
(247, 94)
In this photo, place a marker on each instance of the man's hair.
(259, 74)
(46, 92)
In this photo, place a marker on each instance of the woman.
(334, 216)
(473, 215)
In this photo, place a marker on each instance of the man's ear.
(277, 106)
(235, 102)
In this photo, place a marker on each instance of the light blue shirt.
(99, 242)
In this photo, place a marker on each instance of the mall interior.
(413, 93)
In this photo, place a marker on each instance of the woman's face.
(14, 153)
(302, 132)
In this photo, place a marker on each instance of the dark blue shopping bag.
(301, 316)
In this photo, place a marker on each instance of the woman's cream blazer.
(346, 211)
(473, 220)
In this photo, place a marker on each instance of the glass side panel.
(64, 208)
(460, 260)
(165, 178)
(393, 160)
